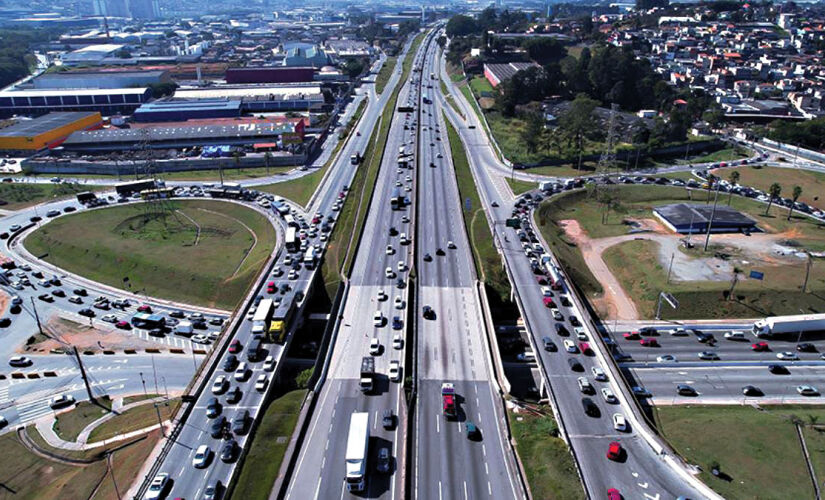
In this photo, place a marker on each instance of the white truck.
(183, 328)
(309, 258)
(774, 325)
(260, 321)
(357, 448)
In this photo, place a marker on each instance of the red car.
(123, 325)
(144, 309)
(235, 346)
(614, 451)
(270, 287)
(548, 302)
(613, 494)
(585, 348)
(631, 336)
(648, 342)
(760, 346)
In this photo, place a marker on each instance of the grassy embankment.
(201, 252)
(14, 196)
(812, 183)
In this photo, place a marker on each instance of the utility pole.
(36, 317)
(155, 373)
(83, 375)
(160, 421)
(142, 381)
(670, 267)
(712, 214)
(807, 272)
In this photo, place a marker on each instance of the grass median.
(757, 176)
(200, 252)
(69, 425)
(384, 74)
(518, 186)
(14, 196)
(263, 462)
(134, 419)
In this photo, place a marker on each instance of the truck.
(367, 373)
(86, 197)
(260, 320)
(358, 443)
(448, 400)
(253, 349)
(774, 325)
(309, 258)
(291, 239)
(184, 328)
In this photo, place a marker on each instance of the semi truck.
(775, 325)
(260, 320)
(448, 400)
(367, 373)
(357, 448)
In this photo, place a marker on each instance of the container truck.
(260, 320)
(367, 373)
(799, 323)
(448, 400)
(357, 448)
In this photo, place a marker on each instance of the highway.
(320, 471)
(452, 346)
(642, 473)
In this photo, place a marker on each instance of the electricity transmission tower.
(607, 160)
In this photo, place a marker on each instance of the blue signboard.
(756, 275)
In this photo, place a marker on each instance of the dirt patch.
(574, 232)
(60, 331)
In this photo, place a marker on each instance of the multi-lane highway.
(320, 471)
(642, 473)
(451, 345)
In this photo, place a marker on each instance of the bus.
(292, 243)
(397, 200)
(155, 194)
(260, 320)
(127, 188)
(289, 220)
(280, 320)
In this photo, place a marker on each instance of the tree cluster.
(488, 20)
(808, 134)
(16, 60)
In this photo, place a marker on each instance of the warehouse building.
(182, 110)
(91, 54)
(695, 219)
(497, 73)
(46, 131)
(105, 101)
(262, 98)
(272, 74)
(101, 79)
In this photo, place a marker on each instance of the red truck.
(448, 400)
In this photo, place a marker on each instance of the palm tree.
(734, 180)
(773, 193)
(797, 192)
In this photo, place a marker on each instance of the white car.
(397, 341)
(679, 332)
(200, 339)
(401, 266)
(787, 355)
(382, 295)
(405, 219)
(666, 358)
(375, 346)
(395, 370)
(608, 395)
(293, 274)
(202, 456)
(399, 302)
(109, 318)
(599, 374)
(220, 385)
(545, 291)
(807, 390)
(584, 385)
(389, 273)
(269, 364)
(580, 333)
(158, 486)
(390, 250)
(570, 346)
(557, 315)
(619, 422)
(241, 372)
(261, 383)
(62, 401)
(403, 239)
(378, 319)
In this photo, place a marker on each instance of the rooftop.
(43, 124)
(161, 134)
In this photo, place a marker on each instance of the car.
(472, 431)
(220, 385)
(235, 346)
(608, 395)
(666, 358)
(375, 346)
(200, 339)
(382, 464)
(428, 257)
(202, 457)
(581, 334)
(378, 319)
(108, 318)
(649, 342)
(548, 344)
(177, 314)
(45, 297)
(805, 347)
(590, 408)
(679, 332)
(428, 312)
(557, 315)
(640, 391)
(15, 227)
(397, 324)
(213, 408)
(685, 390)
(760, 346)
(631, 336)
(230, 363)
(216, 430)
(584, 385)
(229, 452)
(19, 361)
(58, 293)
(450, 245)
(570, 346)
(708, 355)
(381, 296)
(269, 363)
(778, 369)
(613, 494)
(598, 374)
(439, 251)
(158, 487)
(395, 370)
(752, 390)
(619, 422)
(399, 302)
(241, 372)
(614, 451)
(261, 383)
(80, 291)
(240, 422)
(61, 401)
(735, 335)
(787, 356)
(388, 419)
(561, 330)
(144, 308)
(234, 395)
(397, 341)
(807, 390)
(575, 365)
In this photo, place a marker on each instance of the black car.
(177, 314)
(685, 390)
(80, 292)
(439, 251)
(199, 325)
(574, 320)
(428, 312)
(4, 236)
(213, 408)
(216, 321)
(548, 344)
(230, 451)
(648, 330)
(388, 419)
(752, 390)
(239, 423)
(562, 330)
(69, 209)
(703, 337)
(35, 218)
(58, 293)
(5, 322)
(399, 283)
(590, 408)
(217, 428)
(15, 309)
(393, 231)
(86, 312)
(778, 369)
(230, 363)
(805, 347)
(575, 365)
(427, 257)
(234, 395)
(45, 297)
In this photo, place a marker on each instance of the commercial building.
(105, 101)
(695, 219)
(262, 98)
(46, 131)
(272, 74)
(305, 56)
(91, 55)
(101, 79)
(497, 73)
(182, 110)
